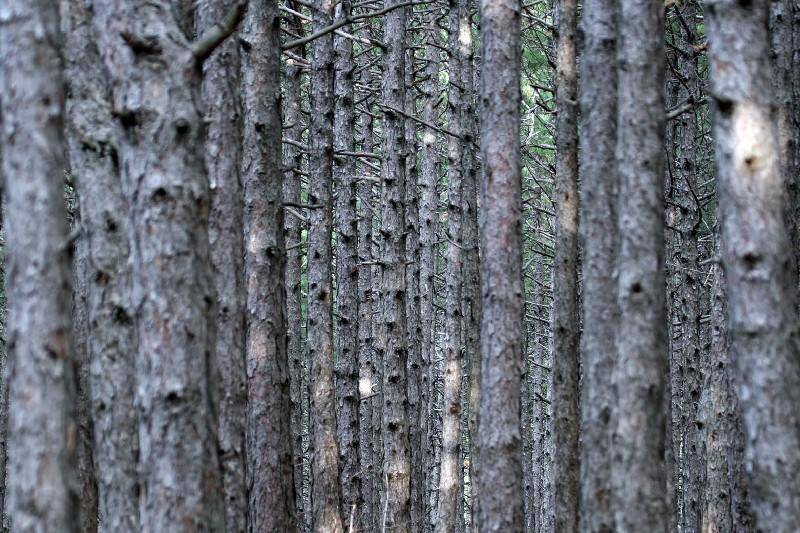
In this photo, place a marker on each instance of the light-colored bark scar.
(754, 150)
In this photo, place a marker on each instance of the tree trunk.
(450, 472)
(268, 437)
(344, 176)
(598, 234)
(498, 444)
(166, 186)
(396, 471)
(566, 318)
(42, 475)
(639, 470)
(222, 111)
(428, 227)
(296, 351)
(93, 153)
(756, 254)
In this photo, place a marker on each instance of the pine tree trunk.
(296, 352)
(42, 472)
(639, 469)
(268, 434)
(222, 111)
(112, 343)
(166, 186)
(566, 319)
(344, 176)
(498, 462)
(396, 471)
(598, 235)
(756, 253)
(325, 458)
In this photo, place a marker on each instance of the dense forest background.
(420, 266)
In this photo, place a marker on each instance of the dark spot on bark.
(172, 397)
(246, 46)
(751, 260)
(128, 119)
(605, 415)
(724, 106)
(101, 278)
(636, 288)
(120, 315)
(142, 45)
(160, 195)
(182, 127)
(111, 225)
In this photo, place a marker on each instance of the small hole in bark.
(160, 195)
(636, 288)
(751, 260)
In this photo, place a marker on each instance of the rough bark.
(450, 471)
(598, 235)
(725, 501)
(268, 436)
(428, 227)
(367, 384)
(296, 352)
(498, 444)
(396, 471)
(344, 176)
(566, 332)
(222, 116)
(756, 253)
(112, 342)
(42, 475)
(641, 344)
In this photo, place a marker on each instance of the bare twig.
(216, 34)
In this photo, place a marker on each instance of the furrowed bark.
(344, 176)
(396, 471)
(450, 471)
(268, 437)
(498, 462)
(296, 352)
(428, 227)
(155, 86)
(565, 318)
(42, 475)
(641, 344)
(222, 112)
(325, 459)
(598, 235)
(756, 254)
(112, 344)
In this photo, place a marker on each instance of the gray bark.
(756, 253)
(325, 458)
(296, 352)
(447, 516)
(222, 115)
(566, 321)
(641, 344)
(498, 444)
(166, 186)
(598, 235)
(112, 342)
(344, 176)
(42, 475)
(268, 436)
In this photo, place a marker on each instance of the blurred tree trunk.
(268, 432)
(111, 343)
(641, 343)
(222, 112)
(42, 474)
(566, 317)
(502, 343)
(756, 254)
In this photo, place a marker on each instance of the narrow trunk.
(344, 176)
(396, 471)
(598, 235)
(641, 344)
(756, 254)
(42, 473)
(268, 436)
(566, 320)
(93, 154)
(222, 112)
(498, 444)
